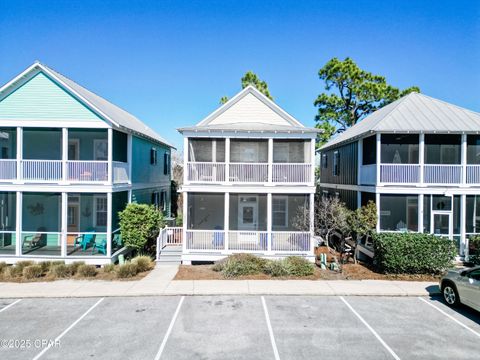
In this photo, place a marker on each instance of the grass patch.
(32, 271)
(127, 270)
(87, 271)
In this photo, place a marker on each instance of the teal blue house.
(69, 162)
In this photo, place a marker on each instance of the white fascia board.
(18, 78)
(467, 190)
(40, 187)
(251, 134)
(247, 189)
(59, 123)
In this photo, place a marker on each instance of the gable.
(40, 98)
(249, 109)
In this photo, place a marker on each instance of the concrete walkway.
(160, 282)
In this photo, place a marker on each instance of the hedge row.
(412, 253)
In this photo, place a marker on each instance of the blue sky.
(169, 62)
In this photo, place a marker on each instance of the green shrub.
(412, 253)
(276, 268)
(108, 268)
(3, 267)
(240, 265)
(144, 263)
(127, 270)
(298, 266)
(87, 270)
(32, 271)
(139, 225)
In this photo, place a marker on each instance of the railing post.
(270, 160)
(64, 154)
(226, 221)
(19, 152)
(379, 157)
(421, 158)
(110, 156)
(464, 159)
(227, 160)
(269, 223)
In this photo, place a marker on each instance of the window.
(324, 161)
(153, 156)
(156, 199)
(399, 212)
(163, 201)
(166, 163)
(336, 163)
(279, 210)
(101, 212)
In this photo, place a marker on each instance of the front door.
(442, 224)
(248, 213)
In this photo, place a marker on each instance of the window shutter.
(166, 163)
(153, 156)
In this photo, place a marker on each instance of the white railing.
(291, 241)
(42, 170)
(292, 173)
(87, 171)
(206, 171)
(8, 169)
(201, 240)
(399, 173)
(368, 174)
(443, 174)
(249, 172)
(173, 236)
(120, 172)
(473, 174)
(248, 240)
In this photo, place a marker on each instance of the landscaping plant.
(474, 250)
(32, 271)
(87, 270)
(412, 253)
(143, 262)
(127, 270)
(139, 226)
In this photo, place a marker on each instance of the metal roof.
(105, 109)
(414, 113)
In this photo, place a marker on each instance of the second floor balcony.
(413, 159)
(63, 156)
(256, 161)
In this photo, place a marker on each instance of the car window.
(475, 275)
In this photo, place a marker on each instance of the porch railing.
(399, 173)
(473, 174)
(292, 173)
(206, 171)
(42, 170)
(205, 240)
(120, 172)
(291, 241)
(443, 174)
(249, 241)
(87, 170)
(8, 169)
(248, 172)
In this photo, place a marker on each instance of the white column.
(420, 213)
(311, 210)
(359, 161)
(214, 160)
(185, 160)
(227, 160)
(269, 223)
(129, 196)
(379, 157)
(19, 152)
(110, 157)
(464, 159)
(270, 160)
(64, 153)
(359, 199)
(312, 162)
(64, 227)
(377, 202)
(421, 157)
(463, 227)
(109, 224)
(185, 222)
(18, 228)
(226, 222)
(129, 157)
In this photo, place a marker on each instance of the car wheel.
(450, 294)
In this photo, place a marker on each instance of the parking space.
(237, 327)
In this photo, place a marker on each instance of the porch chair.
(101, 247)
(218, 237)
(37, 240)
(84, 240)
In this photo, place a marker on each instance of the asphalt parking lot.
(237, 327)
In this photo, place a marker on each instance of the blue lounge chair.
(84, 241)
(101, 247)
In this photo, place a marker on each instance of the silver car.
(462, 286)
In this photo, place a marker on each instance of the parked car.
(462, 286)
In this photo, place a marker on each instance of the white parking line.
(270, 330)
(450, 317)
(169, 330)
(389, 349)
(57, 339)
(10, 305)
